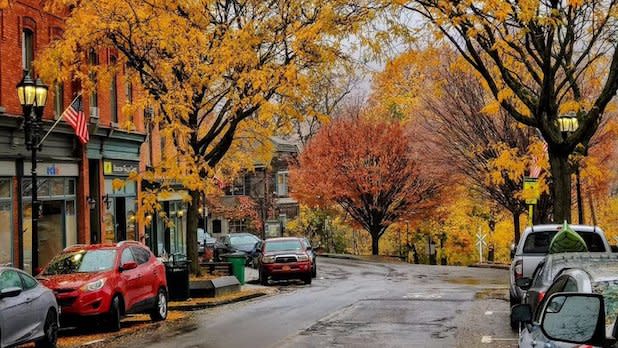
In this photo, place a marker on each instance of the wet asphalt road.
(359, 304)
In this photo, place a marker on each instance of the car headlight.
(94, 286)
(303, 257)
(268, 259)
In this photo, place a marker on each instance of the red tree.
(372, 169)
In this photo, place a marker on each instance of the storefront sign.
(52, 169)
(119, 167)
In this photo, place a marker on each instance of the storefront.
(6, 217)
(167, 235)
(57, 214)
(120, 200)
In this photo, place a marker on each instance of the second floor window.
(58, 99)
(93, 99)
(27, 50)
(282, 184)
(113, 95)
(237, 188)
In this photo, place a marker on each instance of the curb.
(491, 265)
(340, 256)
(195, 307)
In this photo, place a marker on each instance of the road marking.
(490, 339)
(495, 312)
(92, 342)
(422, 295)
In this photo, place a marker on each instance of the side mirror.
(309, 247)
(523, 283)
(10, 292)
(513, 247)
(575, 318)
(128, 266)
(521, 313)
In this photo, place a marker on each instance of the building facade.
(259, 201)
(79, 203)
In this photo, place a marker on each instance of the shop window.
(216, 226)
(6, 222)
(57, 187)
(27, 50)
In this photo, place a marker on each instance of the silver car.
(28, 310)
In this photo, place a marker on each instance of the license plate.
(285, 268)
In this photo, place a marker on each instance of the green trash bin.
(238, 261)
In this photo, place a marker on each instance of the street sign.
(480, 242)
(531, 190)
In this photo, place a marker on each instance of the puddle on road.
(465, 281)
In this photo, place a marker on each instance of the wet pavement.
(357, 304)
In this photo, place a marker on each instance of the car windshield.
(283, 245)
(538, 242)
(83, 261)
(239, 240)
(609, 290)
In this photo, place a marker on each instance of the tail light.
(540, 297)
(519, 269)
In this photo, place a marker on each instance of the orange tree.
(221, 75)
(371, 168)
(538, 59)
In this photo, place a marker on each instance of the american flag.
(535, 168)
(74, 115)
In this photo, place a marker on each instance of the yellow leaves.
(118, 184)
(569, 106)
(492, 108)
(4, 4)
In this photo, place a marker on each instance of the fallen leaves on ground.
(225, 298)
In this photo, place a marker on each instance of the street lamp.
(32, 97)
(568, 123)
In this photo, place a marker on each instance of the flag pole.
(56, 123)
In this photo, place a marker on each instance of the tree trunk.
(375, 238)
(561, 185)
(516, 227)
(191, 232)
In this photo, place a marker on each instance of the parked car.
(569, 320)
(28, 310)
(552, 266)
(313, 255)
(205, 240)
(284, 258)
(534, 245)
(237, 242)
(108, 281)
(595, 278)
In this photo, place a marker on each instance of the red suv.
(284, 258)
(107, 280)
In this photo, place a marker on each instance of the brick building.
(79, 204)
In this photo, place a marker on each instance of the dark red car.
(284, 258)
(108, 281)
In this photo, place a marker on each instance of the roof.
(284, 145)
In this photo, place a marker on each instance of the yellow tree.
(538, 59)
(216, 71)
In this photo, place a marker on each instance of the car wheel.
(307, 279)
(159, 312)
(263, 277)
(50, 329)
(113, 317)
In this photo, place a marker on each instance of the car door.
(14, 311)
(33, 294)
(146, 273)
(130, 278)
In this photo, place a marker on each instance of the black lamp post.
(568, 123)
(32, 97)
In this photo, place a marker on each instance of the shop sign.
(52, 169)
(119, 167)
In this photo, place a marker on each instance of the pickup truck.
(533, 247)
